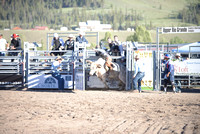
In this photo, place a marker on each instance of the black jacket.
(16, 43)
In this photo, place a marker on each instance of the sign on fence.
(147, 58)
(195, 29)
(47, 81)
(187, 67)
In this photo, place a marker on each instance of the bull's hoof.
(122, 88)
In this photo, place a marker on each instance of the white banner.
(195, 29)
(47, 81)
(187, 67)
(147, 58)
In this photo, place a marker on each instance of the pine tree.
(140, 35)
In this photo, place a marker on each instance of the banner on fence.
(47, 81)
(187, 67)
(146, 57)
(194, 29)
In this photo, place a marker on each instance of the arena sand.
(105, 112)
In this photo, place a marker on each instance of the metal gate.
(79, 65)
(38, 70)
(11, 68)
(129, 65)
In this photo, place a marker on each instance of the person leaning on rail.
(12, 48)
(177, 57)
(81, 38)
(117, 49)
(56, 44)
(69, 43)
(3, 46)
(56, 69)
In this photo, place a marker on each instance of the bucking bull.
(108, 71)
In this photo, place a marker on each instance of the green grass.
(156, 11)
(186, 37)
(153, 10)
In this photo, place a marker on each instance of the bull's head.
(93, 67)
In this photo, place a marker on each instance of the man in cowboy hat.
(56, 69)
(56, 44)
(177, 83)
(69, 43)
(117, 47)
(139, 73)
(169, 74)
(178, 57)
(81, 38)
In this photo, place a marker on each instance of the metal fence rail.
(11, 69)
(31, 63)
(39, 65)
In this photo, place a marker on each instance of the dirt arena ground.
(105, 112)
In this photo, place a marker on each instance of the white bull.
(99, 69)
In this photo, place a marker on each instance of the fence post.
(26, 62)
(154, 70)
(168, 47)
(79, 69)
(97, 38)
(129, 65)
(48, 41)
(73, 74)
(157, 61)
(84, 57)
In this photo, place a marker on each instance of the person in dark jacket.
(57, 44)
(15, 45)
(69, 44)
(81, 38)
(110, 44)
(56, 70)
(169, 74)
(12, 48)
(116, 47)
(16, 41)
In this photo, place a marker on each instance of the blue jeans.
(2, 54)
(137, 80)
(60, 79)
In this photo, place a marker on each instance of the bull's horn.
(89, 61)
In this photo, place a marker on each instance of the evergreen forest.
(57, 13)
